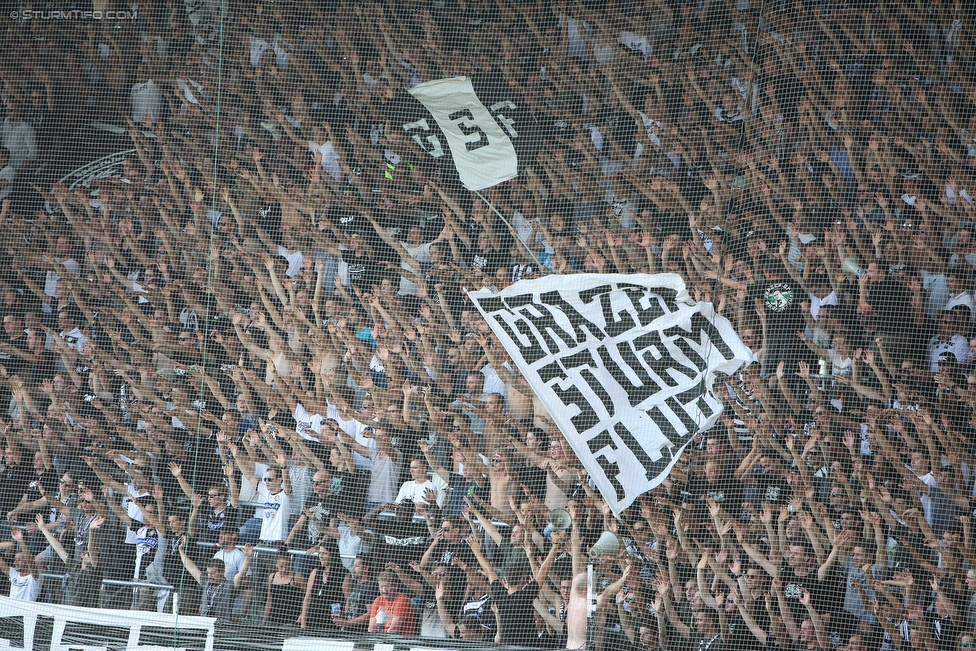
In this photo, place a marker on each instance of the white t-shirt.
(150, 550)
(274, 515)
(493, 382)
(414, 492)
(23, 586)
(816, 303)
(232, 562)
(354, 429)
(8, 173)
(350, 546)
(308, 426)
(51, 280)
(301, 487)
(147, 102)
(20, 139)
(384, 474)
(957, 345)
(965, 298)
(133, 512)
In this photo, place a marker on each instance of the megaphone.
(607, 545)
(851, 265)
(559, 519)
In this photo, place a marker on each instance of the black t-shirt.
(771, 489)
(348, 493)
(446, 552)
(13, 485)
(400, 542)
(83, 585)
(15, 364)
(892, 305)
(825, 596)
(361, 598)
(217, 600)
(173, 565)
(48, 479)
(516, 613)
(740, 637)
(323, 509)
(727, 493)
(781, 300)
(946, 631)
(230, 517)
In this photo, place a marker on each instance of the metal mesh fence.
(544, 324)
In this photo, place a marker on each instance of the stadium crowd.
(244, 368)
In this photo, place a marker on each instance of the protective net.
(545, 324)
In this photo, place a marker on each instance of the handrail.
(138, 584)
(293, 552)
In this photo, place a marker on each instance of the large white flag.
(482, 152)
(624, 364)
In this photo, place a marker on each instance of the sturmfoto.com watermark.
(73, 14)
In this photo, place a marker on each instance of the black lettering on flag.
(531, 352)
(524, 305)
(652, 469)
(611, 469)
(661, 366)
(587, 417)
(682, 415)
(646, 386)
(616, 323)
(662, 422)
(682, 342)
(578, 321)
(654, 309)
(660, 418)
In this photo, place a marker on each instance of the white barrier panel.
(316, 644)
(132, 620)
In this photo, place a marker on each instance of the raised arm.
(51, 538)
(18, 534)
(245, 566)
(190, 566)
(177, 471)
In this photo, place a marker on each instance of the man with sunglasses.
(221, 516)
(274, 492)
(448, 545)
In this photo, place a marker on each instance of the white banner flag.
(624, 364)
(482, 152)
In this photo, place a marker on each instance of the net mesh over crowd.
(618, 325)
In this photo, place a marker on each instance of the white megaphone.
(852, 266)
(559, 519)
(607, 545)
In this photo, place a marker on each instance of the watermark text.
(73, 14)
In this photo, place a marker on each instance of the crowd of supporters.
(244, 368)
